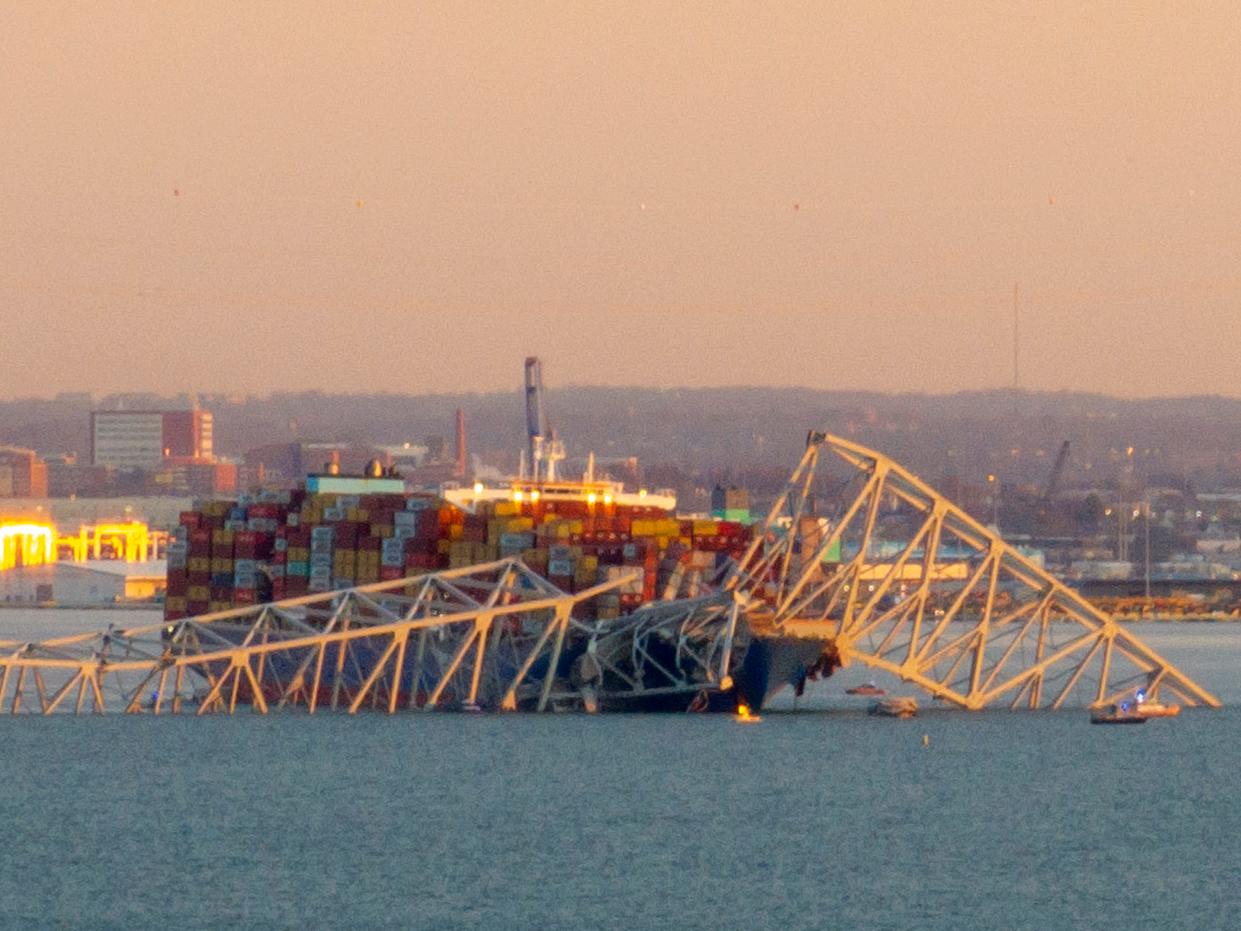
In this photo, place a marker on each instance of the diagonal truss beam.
(954, 609)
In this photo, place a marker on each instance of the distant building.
(189, 477)
(83, 584)
(22, 473)
(144, 439)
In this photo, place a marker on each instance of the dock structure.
(858, 561)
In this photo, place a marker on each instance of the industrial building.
(22, 473)
(145, 439)
(84, 584)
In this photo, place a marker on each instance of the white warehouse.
(84, 584)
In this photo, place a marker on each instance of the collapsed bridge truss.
(494, 635)
(857, 561)
(947, 605)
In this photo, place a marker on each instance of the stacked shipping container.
(278, 545)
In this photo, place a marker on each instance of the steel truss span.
(857, 561)
(901, 579)
(492, 636)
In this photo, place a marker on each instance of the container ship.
(338, 531)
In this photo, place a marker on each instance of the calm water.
(809, 820)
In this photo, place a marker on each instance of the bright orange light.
(32, 543)
(26, 544)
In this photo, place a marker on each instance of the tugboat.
(868, 688)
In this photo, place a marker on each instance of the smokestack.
(460, 470)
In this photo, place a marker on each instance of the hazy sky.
(412, 196)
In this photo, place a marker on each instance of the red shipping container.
(200, 543)
(347, 533)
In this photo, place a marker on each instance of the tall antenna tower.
(1016, 344)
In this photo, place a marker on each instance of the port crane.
(951, 608)
(33, 543)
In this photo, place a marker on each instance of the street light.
(995, 500)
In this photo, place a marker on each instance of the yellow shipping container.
(507, 508)
(706, 528)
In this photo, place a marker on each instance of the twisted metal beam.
(957, 611)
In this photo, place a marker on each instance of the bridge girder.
(943, 602)
(495, 635)
(951, 608)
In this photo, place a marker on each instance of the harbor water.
(824, 818)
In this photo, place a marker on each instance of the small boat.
(1156, 709)
(896, 707)
(1149, 708)
(1120, 713)
(867, 689)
